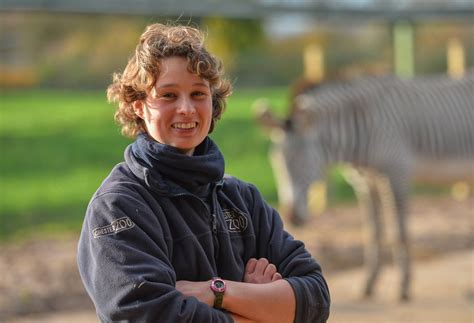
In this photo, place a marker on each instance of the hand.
(260, 271)
(200, 290)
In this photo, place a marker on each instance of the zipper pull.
(214, 223)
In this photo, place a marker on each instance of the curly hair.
(157, 42)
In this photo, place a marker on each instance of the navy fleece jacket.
(143, 232)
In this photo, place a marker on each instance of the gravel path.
(443, 292)
(40, 282)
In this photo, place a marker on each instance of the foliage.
(229, 38)
(431, 45)
(68, 50)
(82, 51)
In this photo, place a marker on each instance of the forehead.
(175, 69)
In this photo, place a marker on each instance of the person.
(168, 237)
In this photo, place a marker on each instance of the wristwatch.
(218, 287)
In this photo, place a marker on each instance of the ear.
(138, 109)
(303, 117)
(265, 116)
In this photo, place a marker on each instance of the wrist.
(236, 294)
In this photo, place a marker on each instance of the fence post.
(313, 57)
(455, 58)
(403, 49)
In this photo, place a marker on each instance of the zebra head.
(294, 157)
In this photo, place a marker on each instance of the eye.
(198, 94)
(167, 95)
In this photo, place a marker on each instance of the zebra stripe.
(384, 126)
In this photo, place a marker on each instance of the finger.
(270, 271)
(251, 264)
(262, 264)
(276, 276)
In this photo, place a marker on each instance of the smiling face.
(178, 110)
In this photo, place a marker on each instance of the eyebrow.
(174, 84)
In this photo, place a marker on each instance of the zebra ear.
(302, 117)
(265, 116)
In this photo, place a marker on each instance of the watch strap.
(218, 300)
(218, 287)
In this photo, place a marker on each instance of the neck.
(338, 138)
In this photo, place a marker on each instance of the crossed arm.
(263, 296)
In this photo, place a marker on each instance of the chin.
(185, 150)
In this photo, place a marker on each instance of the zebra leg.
(363, 183)
(395, 204)
(374, 243)
(403, 256)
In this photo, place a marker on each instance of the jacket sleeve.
(124, 264)
(293, 261)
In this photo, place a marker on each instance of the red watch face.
(218, 285)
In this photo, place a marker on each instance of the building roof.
(252, 9)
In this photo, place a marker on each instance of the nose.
(185, 106)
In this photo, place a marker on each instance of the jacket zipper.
(213, 222)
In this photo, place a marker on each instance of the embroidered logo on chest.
(116, 226)
(236, 221)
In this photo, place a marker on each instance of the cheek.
(210, 109)
(152, 116)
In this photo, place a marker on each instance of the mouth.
(184, 125)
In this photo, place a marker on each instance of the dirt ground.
(39, 280)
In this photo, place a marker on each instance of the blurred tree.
(68, 50)
(431, 45)
(230, 38)
(89, 50)
(74, 50)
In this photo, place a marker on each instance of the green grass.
(58, 146)
(243, 143)
(56, 149)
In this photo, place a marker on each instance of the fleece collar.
(166, 169)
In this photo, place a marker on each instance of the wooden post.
(403, 49)
(455, 58)
(317, 197)
(456, 67)
(313, 57)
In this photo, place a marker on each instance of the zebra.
(388, 129)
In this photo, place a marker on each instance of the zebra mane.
(332, 96)
(298, 87)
